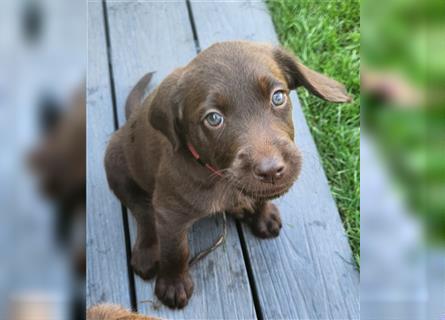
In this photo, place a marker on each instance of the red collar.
(195, 155)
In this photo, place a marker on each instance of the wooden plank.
(107, 274)
(308, 271)
(157, 40)
(157, 36)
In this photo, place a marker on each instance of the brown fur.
(153, 173)
(113, 312)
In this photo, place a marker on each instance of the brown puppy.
(114, 312)
(214, 136)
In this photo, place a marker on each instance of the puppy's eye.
(214, 119)
(278, 98)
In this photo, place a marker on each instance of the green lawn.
(325, 35)
(407, 40)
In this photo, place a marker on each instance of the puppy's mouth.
(265, 194)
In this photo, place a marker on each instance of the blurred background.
(402, 159)
(42, 162)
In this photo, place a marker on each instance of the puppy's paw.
(174, 292)
(145, 261)
(266, 223)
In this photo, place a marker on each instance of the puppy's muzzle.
(269, 169)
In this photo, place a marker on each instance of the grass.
(325, 35)
(410, 140)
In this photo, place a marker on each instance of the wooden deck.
(306, 273)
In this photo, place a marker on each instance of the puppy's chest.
(224, 198)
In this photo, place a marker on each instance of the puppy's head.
(232, 104)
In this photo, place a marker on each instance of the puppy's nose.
(269, 169)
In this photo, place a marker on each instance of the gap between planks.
(116, 126)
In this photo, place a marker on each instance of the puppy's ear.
(318, 84)
(165, 109)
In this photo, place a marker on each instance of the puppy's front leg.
(265, 222)
(174, 286)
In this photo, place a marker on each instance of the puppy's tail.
(114, 312)
(136, 94)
